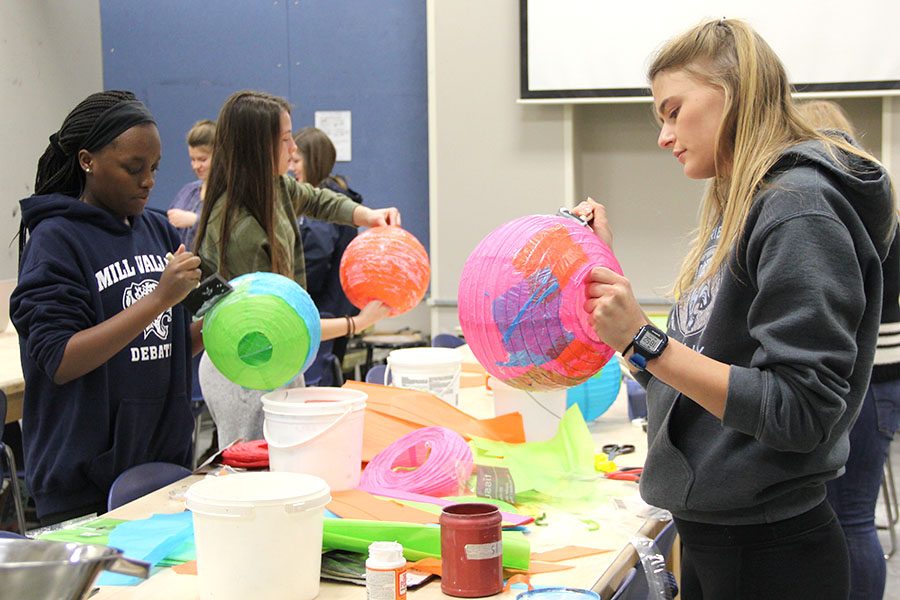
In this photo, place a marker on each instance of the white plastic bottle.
(385, 572)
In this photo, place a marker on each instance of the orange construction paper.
(566, 553)
(357, 504)
(518, 578)
(535, 567)
(433, 566)
(426, 565)
(188, 568)
(472, 375)
(392, 412)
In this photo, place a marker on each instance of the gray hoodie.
(795, 313)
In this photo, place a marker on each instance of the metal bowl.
(38, 570)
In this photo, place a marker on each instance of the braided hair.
(58, 170)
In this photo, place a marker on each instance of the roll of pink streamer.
(434, 461)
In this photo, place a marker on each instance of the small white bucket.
(258, 535)
(433, 370)
(541, 411)
(316, 430)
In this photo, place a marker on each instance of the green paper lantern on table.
(264, 333)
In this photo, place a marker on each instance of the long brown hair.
(242, 173)
(759, 122)
(318, 152)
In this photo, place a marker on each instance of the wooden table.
(618, 523)
(11, 380)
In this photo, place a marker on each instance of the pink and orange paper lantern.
(521, 302)
(387, 264)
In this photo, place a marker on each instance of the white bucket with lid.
(316, 430)
(541, 411)
(259, 535)
(433, 370)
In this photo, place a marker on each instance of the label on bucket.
(484, 551)
(439, 385)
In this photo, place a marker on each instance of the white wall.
(493, 160)
(50, 58)
(490, 160)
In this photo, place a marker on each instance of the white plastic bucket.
(433, 370)
(316, 430)
(258, 535)
(541, 411)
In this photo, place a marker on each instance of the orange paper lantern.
(387, 264)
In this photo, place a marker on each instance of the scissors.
(626, 474)
(614, 450)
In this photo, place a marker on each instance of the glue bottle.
(385, 572)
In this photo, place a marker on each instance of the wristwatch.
(648, 343)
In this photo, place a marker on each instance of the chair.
(140, 480)
(10, 535)
(447, 340)
(7, 453)
(665, 539)
(635, 586)
(390, 341)
(889, 496)
(198, 406)
(637, 399)
(376, 374)
(624, 588)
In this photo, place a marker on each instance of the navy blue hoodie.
(81, 266)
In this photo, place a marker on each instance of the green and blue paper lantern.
(264, 333)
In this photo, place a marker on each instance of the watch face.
(651, 341)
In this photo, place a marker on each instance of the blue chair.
(665, 539)
(7, 454)
(376, 374)
(10, 535)
(198, 406)
(447, 340)
(624, 588)
(637, 399)
(140, 480)
(638, 588)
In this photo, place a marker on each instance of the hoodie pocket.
(136, 422)
(668, 477)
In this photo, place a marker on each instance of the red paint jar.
(471, 550)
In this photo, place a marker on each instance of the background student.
(854, 494)
(323, 243)
(771, 341)
(184, 211)
(249, 224)
(105, 345)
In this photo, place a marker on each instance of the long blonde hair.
(825, 114)
(759, 122)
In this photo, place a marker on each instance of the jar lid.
(388, 552)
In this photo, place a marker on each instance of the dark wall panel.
(184, 57)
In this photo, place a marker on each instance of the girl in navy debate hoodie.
(105, 345)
